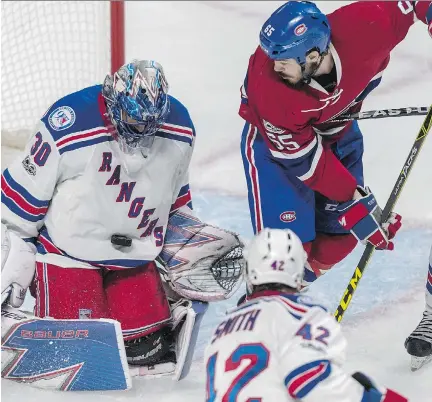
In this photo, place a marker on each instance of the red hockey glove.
(361, 217)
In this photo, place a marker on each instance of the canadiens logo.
(299, 30)
(61, 118)
(288, 216)
(272, 129)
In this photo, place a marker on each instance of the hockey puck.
(121, 240)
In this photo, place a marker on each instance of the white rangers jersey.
(277, 348)
(72, 188)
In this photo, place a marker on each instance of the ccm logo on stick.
(288, 216)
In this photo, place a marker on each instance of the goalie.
(98, 218)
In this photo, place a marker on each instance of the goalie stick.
(391, 202)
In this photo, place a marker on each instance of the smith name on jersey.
(276, 347)
(73, 188)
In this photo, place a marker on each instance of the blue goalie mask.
(137, 103)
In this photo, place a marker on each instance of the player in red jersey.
(304, 172)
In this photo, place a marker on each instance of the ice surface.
(204, 48)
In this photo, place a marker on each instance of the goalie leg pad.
(187, 316)
(66, 355)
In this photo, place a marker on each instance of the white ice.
(204, 48)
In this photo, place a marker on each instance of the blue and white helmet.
(137, 103)
(293, 30)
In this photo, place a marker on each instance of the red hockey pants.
(134, 297)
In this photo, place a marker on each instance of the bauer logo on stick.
(61, 118)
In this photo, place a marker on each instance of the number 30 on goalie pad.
(67, 355)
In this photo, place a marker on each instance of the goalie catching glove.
(362, 217)
(200, 261)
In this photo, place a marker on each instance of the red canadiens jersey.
(296, 123)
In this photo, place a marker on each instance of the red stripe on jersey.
(178, 129)
(250, 155)
(79, 136)
(20, 200)
(293, 305)
(295, 386)
(181, 201)
(49, 246)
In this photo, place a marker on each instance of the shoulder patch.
(61, 118)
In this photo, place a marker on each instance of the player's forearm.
(324, 173)
(332, 179)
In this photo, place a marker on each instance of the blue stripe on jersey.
(120, 263)
(86, 143)
(369, 88)
(20, 189)
(297, 317)
(179, 115)
(13, 207)
(183, 190)
(305, 378)
(175, 137)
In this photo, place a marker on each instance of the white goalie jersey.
(73, 189)
(277, 348)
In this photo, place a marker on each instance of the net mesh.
(49, 49)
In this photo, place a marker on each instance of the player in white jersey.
(101, 191)
(419, 343)
(276, 346)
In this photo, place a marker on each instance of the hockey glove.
(373, 394)
(362, 217)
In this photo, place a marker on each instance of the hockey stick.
(380, 114)
(391, 202)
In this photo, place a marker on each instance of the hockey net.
(50, 49)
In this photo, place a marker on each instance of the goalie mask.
(275, 256)
(137, 102)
